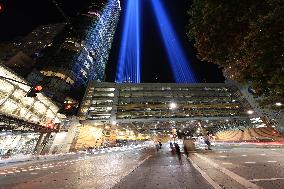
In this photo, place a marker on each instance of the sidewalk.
(165, 171)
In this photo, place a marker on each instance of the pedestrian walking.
(185, 150)
(171, 145)
(207, 142)
(177, 149)
(172, 148)
(157, 147)
(160, 144)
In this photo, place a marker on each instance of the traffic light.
(1, 7)
(34, 90)
(50, 125)
(69, 108)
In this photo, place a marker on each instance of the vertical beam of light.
(181, 68)
(128, 69)
(138, 42)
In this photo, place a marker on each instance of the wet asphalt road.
(228, 167)
(87, 171)
(263, 167)
(132, 169)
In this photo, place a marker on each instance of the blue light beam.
(128, 69)
(183, 73)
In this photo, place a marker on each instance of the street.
(136, 94)
(226, 166)
(102, 170)
(243, 166)
(164, 171)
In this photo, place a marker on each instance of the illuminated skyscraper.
(21, 55)
(80, 52)
(94, 55)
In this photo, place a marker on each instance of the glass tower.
(80, 52)
(95, 51)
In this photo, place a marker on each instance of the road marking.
(266, 179)
(237, 178)
(272, 161)
(205, 176)
(244, 155)
(223, 156)
(227, 163)
(250, 162)
(263, 154)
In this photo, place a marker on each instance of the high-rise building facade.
(21, 55)
(35, 42)
(80, 52)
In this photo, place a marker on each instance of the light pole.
(173, 105)
(250, 112)
(278, 104)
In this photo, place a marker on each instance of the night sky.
(20, 17)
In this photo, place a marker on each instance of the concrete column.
(58, 141)
(38, 146)
(71, 134)
(45, 144)
(114, 105)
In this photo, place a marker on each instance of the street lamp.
(278, 104)
(173, 105)
(250, 112)
(113, 122)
